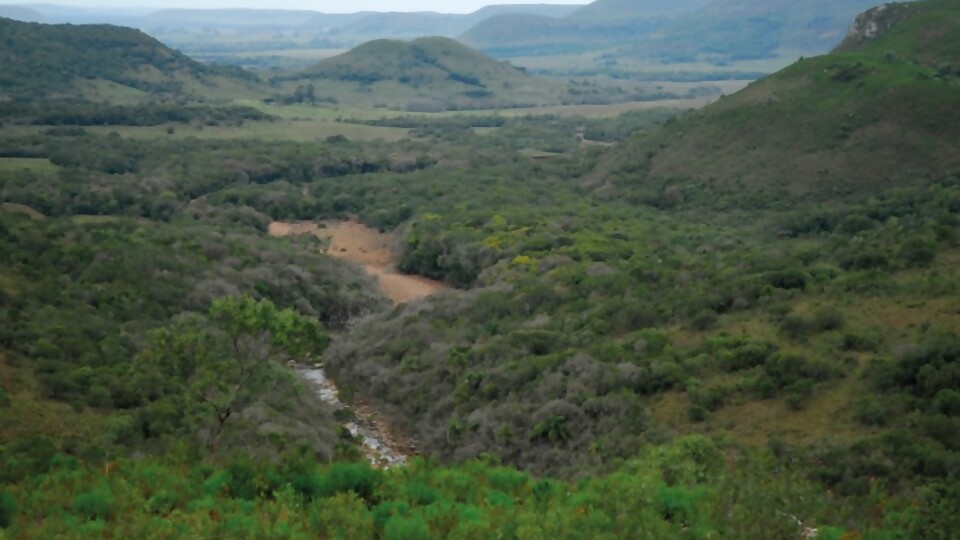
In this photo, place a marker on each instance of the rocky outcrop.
(871, 24)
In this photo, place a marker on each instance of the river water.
(375, 443)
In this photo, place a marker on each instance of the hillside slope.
(59, 60)
(434, 69)
(877, 115)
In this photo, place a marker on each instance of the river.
(372, 250)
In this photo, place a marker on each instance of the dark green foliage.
(692, 486)
(97, 503)
(8, 509)
(350, 477)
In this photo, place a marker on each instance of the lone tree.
(224, 362)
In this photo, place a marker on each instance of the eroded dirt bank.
(367, 247)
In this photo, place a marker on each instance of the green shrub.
(358, 478)
(828, 318)
(8, 509)
(859, 342)
(799, 394)
(947, 401)
(797, 325)
(94, 504)
(704, 320)
(406, 528)
(789, 369)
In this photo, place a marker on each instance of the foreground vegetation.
(692, 488)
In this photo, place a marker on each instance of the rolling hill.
(433, 73)
(68, 60)
(880, 112)
(604, 23)
(235, 18)
(409, 25)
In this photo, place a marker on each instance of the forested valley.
(658, 320)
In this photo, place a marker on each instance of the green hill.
(881, 114)
(428, 73)
(68, 60)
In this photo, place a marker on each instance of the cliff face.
(871, 24)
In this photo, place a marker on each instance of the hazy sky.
(327, 6)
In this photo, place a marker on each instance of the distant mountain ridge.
(881, 112)
(606, 10)
(355, 27)
(716, 31)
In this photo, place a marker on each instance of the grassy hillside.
(884, 114)
(430, 73)
(62, 60)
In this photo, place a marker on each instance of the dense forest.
(625, 343)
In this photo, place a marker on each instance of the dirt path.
(367, 247)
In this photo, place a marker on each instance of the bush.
(859, 342)
(947, 402)
(8, 509)
(358, 478)
(406, 528)
(704, 320)
(797, 325)
(799, 394)
(94, 504)
(871, 412)
(789, 369)
(828, 318)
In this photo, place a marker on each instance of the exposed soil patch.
(367, 247)
(373, 251)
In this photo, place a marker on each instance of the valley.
(270, 273)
